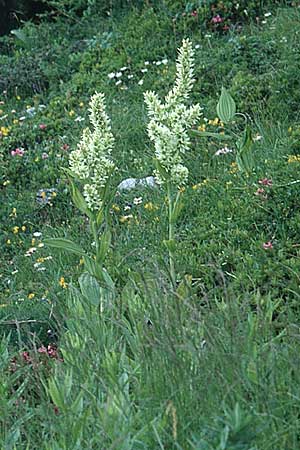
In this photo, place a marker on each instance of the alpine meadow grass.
(149, 232)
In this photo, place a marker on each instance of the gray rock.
(132, 183)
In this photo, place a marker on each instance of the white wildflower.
(141, 82)
(137, 200)
(91, 161)
(111, 75)
(171, 120)
(223, 151)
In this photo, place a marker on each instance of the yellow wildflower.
(116, 208)
(13, 213)
(199, 185)
(15, 230)
(124, 219)
(202, 127)
(43, 194)
(4, 131)
(81, 104)
(63, 283)
(18, 97)
(8, 241)
(293, 159)
(6, 183)
(31, 295)
(71, 113)
(234, 167)
(150, 206)
(32, 241)
(40, 260)
(23, 228)
(15, 121)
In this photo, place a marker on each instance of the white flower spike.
(170, 121)
(91, 161)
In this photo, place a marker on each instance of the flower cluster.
(91, 162)
(170, 122)
(293, 159)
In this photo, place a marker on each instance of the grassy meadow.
(133, 353)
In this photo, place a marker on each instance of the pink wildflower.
(26, 357)
(45, 155)
(217, 19)
(65, 147)
(261, 192)
(194, 13)
(17, 152)
(266, 182)
(267, 245)
(42, 349)
(42, 126)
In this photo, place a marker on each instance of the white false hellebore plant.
(91, 165)
(168, 129)
(91, 162)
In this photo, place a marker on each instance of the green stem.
(171, 234)
(95, 234)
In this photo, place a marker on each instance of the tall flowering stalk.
(91, 167)
(91, 162)
(168, 128)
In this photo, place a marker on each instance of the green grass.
(212, 364)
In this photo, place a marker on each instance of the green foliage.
(113, 357)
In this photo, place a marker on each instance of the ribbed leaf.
(104, 246)
(90, 288)
(79, 200)
(64, 244)
(226, 108)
